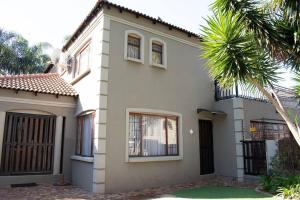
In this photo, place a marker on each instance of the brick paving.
(74, 193)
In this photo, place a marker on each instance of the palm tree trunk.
(280, 109)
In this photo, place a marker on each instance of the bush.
(286, 162)
(290, 192)
(273, 183)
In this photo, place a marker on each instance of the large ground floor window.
(152, 135)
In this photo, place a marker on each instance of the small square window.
(157, 53)
(134, 47)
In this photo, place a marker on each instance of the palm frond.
(232, 53)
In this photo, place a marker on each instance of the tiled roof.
(41, 83)
(99, 6)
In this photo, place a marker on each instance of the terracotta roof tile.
(50, 83)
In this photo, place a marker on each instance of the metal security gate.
(255, 162)
(28, 144)
(206, 147)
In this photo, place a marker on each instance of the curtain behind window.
(157, 52)
(87, 135)
(172, 136)
(154, 136)
(133, 47)
(147, 135)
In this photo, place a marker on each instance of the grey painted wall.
(182, 88)
(224, 140)
(255, 110)
(82, 174)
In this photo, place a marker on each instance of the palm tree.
(17, 57)
(246, 41)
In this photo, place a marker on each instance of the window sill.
(134, 60)
(159, 66)
(154, 159)
(80, 76)
(83, 159)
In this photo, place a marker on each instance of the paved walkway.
(75, 193)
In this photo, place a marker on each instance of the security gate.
(255, 162)
(206, 147)
(28, 144)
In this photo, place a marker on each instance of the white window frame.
(156, 158)
(134, 33)
(164, 53)
(76, 68)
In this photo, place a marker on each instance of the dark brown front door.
(206, 147)
(28, 144)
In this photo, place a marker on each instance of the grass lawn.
(221, 192)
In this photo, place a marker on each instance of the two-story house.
(144, 114)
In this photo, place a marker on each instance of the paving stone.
(50, 192)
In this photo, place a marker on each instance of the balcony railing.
(286, 95)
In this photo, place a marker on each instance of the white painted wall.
(271, 149)
(57, 144)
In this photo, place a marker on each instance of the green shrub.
(273, 183)
(286, 162)
(290, 192)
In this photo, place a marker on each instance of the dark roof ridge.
(28, 75)
(99, 5)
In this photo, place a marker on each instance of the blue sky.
(52, 20)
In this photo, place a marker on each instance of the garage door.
(28, 144)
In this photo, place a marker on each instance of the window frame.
(92, 136)
(178, 156)
(164, 53)
(136, 34)
(76, 70)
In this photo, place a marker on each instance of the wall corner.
(101, 111)
(238, 120)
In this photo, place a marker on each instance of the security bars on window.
(157, 53)
(133, 47)
(152, 135)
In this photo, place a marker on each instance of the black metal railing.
(238, 90)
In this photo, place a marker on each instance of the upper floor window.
(85, 134)
(158, 53)
(134, 46)
(82, 60)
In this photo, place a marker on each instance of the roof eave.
(17, 90)
(99, 6)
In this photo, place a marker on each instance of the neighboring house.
(147, 114)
